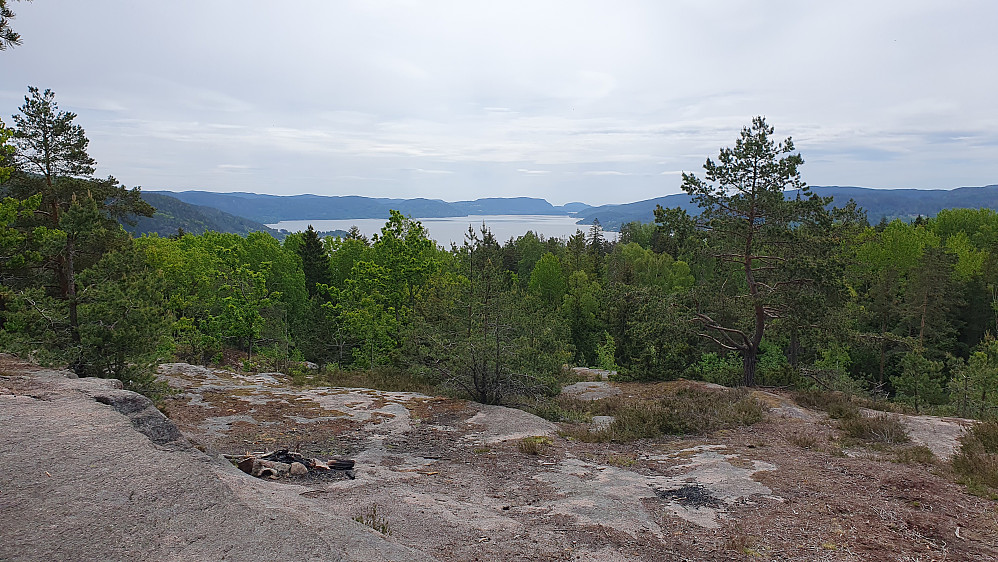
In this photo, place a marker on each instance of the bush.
(379, 378)
(563, 408)
(722, 370)
(976, 462)
(838, 404)
(687, 411)
(882, 428)
(916, 454)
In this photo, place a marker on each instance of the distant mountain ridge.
(905, 204)
(172, 214)
(275, 208)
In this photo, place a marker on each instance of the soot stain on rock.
(690, 495)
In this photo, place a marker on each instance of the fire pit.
(282, 463)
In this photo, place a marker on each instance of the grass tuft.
(534, 445)
(373, 520)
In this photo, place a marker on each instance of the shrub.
(977, 459)
(882, 428)
(687, 411)
(806, 439)
(838, 404)
(723, 370)
(916, 454)
(563, 408)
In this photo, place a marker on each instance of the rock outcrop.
(94, 472)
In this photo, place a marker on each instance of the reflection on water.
(452, 229)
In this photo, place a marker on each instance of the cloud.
(422, 171)
(543, 99)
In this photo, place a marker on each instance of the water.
(452, 229)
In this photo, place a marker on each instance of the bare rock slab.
(95, 484)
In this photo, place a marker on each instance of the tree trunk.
(921, 331)
(750, 358)
(70, 276)
(793, 349)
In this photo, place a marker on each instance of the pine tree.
(315, 260)
(51, 159)
(754, 232)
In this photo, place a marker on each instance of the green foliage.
(723, 370)
(123, 324)
(533, 445)
(973, 383)
(641, 233)
(580, 310)
(315, 261)
(656, 270)
(6, 152)
(919, 381)
(780, 291)
(47, 141)
(605, 353)
(480, 333)
(8, 37)
(839, 405)
(675, 232)
(547, 281)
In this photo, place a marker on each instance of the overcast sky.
(600, 102)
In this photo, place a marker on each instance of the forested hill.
(172, 214)
(274, 208)
(905, 204)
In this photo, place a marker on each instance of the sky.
(599, 102)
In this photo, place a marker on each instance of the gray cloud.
(595, 101)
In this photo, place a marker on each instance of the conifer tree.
(315, 260)
(753, 229)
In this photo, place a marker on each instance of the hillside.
(275, 208)
(905, 204)
(172, 214)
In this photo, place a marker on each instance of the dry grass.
(619, 460)
(563, 408)
(805, 438)
(373, 520)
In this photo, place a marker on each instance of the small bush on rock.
(976, 461)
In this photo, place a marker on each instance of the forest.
(766, 286)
